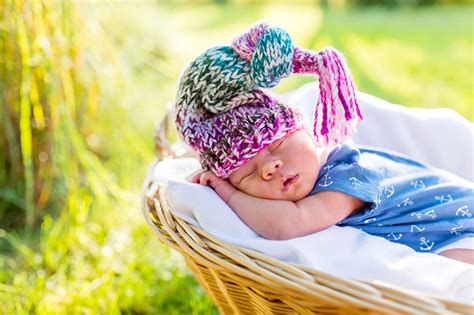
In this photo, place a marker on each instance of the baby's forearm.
(282, 219)
(268, 218)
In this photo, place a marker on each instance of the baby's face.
(285, 170)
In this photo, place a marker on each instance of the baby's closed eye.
(275, 145)
(248, 174)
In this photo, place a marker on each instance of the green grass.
(90, 250)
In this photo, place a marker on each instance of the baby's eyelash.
(248, 174)
(271, 149)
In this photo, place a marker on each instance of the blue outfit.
(408, 202)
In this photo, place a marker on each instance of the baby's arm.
(270, 219)
(282, 219)
(322, 210)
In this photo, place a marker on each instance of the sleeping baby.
(283, 179)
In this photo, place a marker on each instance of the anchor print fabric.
(408, 202)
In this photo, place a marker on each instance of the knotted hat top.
(223, 113)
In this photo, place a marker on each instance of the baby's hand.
(221, 186)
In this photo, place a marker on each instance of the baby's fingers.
(205, 178)
(209, 178)
(222, 187)
(194, 177)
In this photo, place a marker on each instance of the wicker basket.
(243, 281)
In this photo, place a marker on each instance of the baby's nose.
(270, 168)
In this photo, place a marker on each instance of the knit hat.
(223, 113)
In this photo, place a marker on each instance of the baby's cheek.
(263, 190)
(248, 188)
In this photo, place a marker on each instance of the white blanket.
(346, 251)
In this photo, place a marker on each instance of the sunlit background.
(83, 84)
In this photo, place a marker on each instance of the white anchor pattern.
(393, 237)
(411, 209)
(405, 202)
(444, 198)
(429, 213)
(456, 230)
(417, 183)
(326, 179)
(357, 184)
(463, 211)
(426, 244)
(417, 228)
(376, 203)
(388, 191)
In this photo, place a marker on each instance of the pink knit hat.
(223, 114)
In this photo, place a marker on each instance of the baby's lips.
(291, 178)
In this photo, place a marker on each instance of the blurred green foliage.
(51, 89)
(83, 84)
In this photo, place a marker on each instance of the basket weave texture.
(243, 281)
